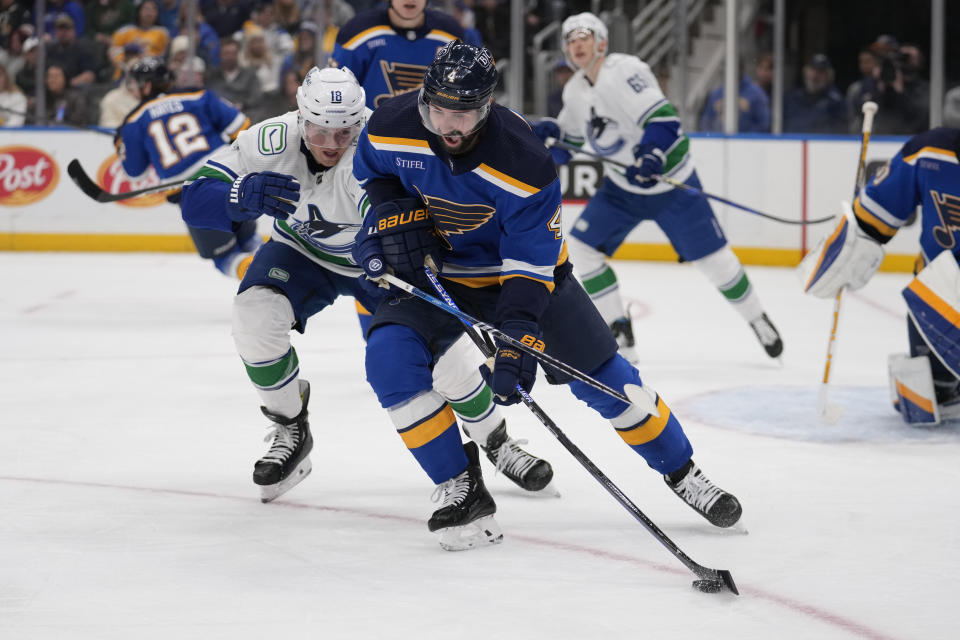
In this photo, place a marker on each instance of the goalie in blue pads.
(926, 172)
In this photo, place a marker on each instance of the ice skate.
(720, 508)
(622, 330)
(768, 336)
(287, 461)
(528, 472)
(465, 517)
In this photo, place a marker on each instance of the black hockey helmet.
(152, 69)
(460, 77)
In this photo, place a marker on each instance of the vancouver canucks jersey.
(175, 133)
(497, 207)
(388, 60)
(924, 172)
(623, 108)
(331, 205)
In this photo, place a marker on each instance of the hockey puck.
(708, 586)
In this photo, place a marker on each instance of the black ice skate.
(287, 461)
(768, 336)
(528, 472)
(622, 330)
(720, 508)
(465, 517)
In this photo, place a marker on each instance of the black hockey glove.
(511, 366)
(398, 234)
(254, 194)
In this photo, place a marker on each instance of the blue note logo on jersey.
(273, 138)
(456, 218)
(597, 127)
(400, 78)
(948, 208)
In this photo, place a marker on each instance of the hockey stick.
(686, 187)
(710, 580)
(95, 191)
(633, 394)
(830, 413)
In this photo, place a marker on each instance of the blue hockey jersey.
(388, 61)
(925, 172)
(176, 132)
(497, 207)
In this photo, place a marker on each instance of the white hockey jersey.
(331, 206)
(612, 115)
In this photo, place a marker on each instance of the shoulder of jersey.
(397, 117)
(942, 142)
(521, 155)
(271, 137)
(363, 25)
(624, 63)
(444, 23)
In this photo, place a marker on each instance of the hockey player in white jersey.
(297, 168)
(615, 107)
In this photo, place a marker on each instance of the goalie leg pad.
(911, 389)
(846, 258)
(933, 301)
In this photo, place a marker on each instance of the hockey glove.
(545, 130)
(254, 194)
(511, 366)
(848, 257)
(649, 163)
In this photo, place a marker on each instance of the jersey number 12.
(177, 137)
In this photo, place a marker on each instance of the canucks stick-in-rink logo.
(600, 128)
(316, 229)
(399, 78)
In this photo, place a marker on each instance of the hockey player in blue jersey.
(614, 107)
(925, 386)
(493, 199)
(297, 168)
(389, 49)
(175, 132)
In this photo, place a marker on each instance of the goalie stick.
(710, 580)
(98, 193)
(552, 142)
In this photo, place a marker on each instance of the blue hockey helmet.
(462, 78)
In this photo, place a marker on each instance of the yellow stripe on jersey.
(650, 428)
(914, 397)
(935, 153)
(441, 34)
(176, 96)
(366, 34)
(864, 214)
(243, 127)
(413, 144)
(947, 312)
(429, 428)
(361, 310)
(504, 181)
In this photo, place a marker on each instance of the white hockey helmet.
(331, 99)
(579, 23)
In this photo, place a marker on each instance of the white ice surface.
(128, 431)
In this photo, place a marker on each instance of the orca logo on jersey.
(399, 78)
(456, 218)
(316, 228)
(596, 127)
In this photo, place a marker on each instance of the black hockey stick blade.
(98, 193)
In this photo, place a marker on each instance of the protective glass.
(319, 137)
(452, 123)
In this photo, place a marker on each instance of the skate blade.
(270, 492)
(549, 491)
(479, 533)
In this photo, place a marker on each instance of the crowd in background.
(255, 52)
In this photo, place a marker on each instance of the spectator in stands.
(13, 15)
(119, 101)
(304, 55)
(468, 20)
(278, 40)
(328, 15)
(763, 73)
(105, 17)
(26, 78)
(63, 104)
(951, 108)
(189, 76)
(227, 16)
(817, 106)
(282, 100)
(11, 57)
(72, 8)
(145, 31)
(168, 15)
(493, 23)
(752, 103)
(13, 104)
(288, 15)
(76, 56)
(205, 39)
(237, 84)
(256, 56)
(866, 65)
(561, 73)
(898, 88)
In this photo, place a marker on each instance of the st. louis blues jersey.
(331, 205)
(386, 60)
(924, 172)
(175, 133)
(497, 207)
(624, 107)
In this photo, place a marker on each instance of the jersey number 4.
(177, 138)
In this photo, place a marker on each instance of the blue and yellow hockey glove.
(511, 366)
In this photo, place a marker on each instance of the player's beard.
(466, 145)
